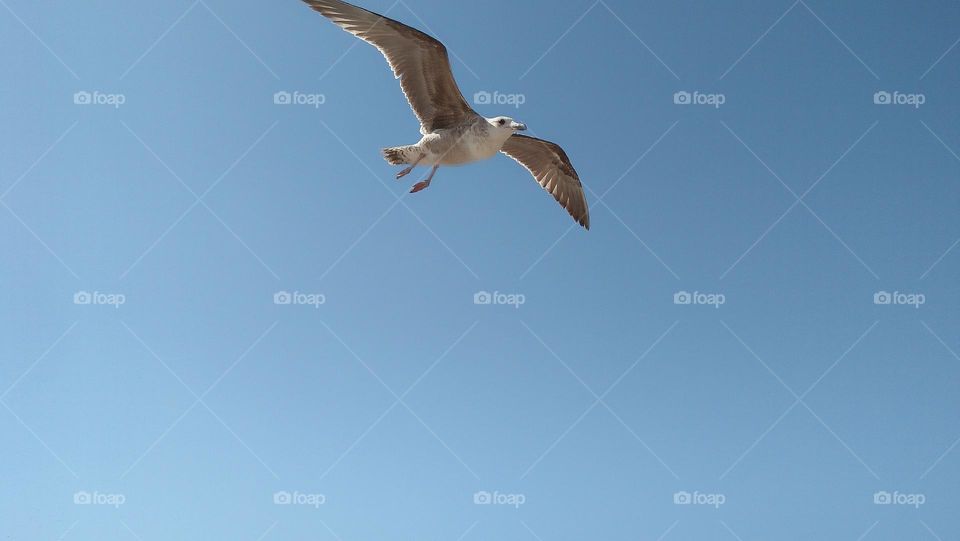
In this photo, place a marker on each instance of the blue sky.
(756, 340)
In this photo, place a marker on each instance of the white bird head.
(507, 124)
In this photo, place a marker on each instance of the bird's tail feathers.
(399, 155)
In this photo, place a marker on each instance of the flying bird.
(452, 132)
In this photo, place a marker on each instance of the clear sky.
(223, 319)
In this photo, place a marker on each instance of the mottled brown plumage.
(549, 164)
(453, 133)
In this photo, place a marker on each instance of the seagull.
(452, 132)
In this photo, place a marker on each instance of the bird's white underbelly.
(471, 147)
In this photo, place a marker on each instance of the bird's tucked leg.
(425, 182)
(407, 170)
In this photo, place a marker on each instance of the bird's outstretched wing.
(550, 166)
(418, 60)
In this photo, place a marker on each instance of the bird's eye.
(501, 122)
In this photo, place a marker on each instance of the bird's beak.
(518, 126)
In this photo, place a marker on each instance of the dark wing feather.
(418, 60)
(551, 167)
